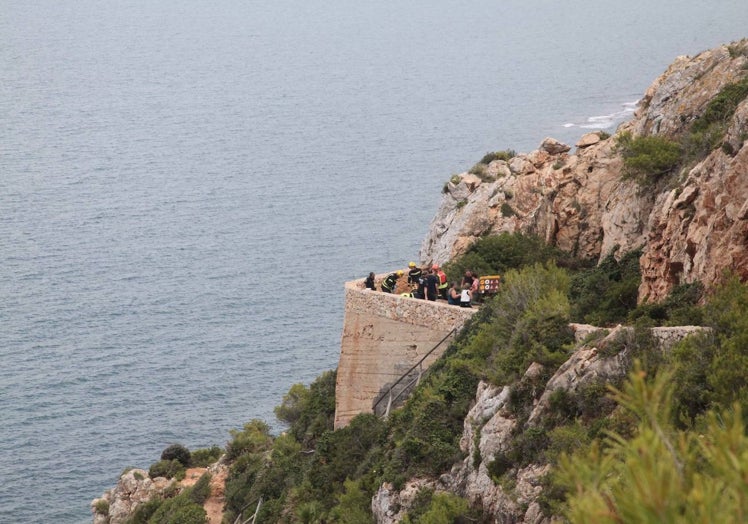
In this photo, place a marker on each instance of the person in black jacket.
(390, 281)
(369, 282)
(414, 275)
(432, 283)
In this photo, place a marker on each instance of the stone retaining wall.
(384, 335)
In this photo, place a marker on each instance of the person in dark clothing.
(453, 295)
(420, 290)
(390, 281)
(432, 284)
(414, 275)
(467, 280)
(369, 282)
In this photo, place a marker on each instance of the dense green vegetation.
(312, 474)
(648, 158)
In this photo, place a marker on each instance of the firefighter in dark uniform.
(414, 275)
(390, 281)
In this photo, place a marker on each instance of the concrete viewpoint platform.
(384, 335)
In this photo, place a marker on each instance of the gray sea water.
(186, 185)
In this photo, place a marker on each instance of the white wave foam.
(606, 121)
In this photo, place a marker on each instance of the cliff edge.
(690, 227)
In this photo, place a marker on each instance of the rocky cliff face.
(691, 230)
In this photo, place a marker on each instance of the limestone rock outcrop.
(133, 488)
(690, 230)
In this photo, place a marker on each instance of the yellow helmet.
(400, 272)
(411, 264)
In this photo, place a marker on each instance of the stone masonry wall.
(384, 335)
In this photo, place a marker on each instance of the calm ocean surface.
(185, 186)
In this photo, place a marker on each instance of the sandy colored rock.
(693, 231)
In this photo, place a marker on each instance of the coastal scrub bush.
(200, 492)
(709, 368)
(102, 507)
(443, 508)
(506, 155)
(647, 159)
(605, 294)
(143, 512)
(660, 474)
(739, 48)
(204, 457)
(680, 308)
(708, 130)
(179, 510)
(293, 404)
(353, 505)
(495, 254)
(310, 412)
(253, 438)
(721, 108)
(177, 452)
(479, 169)
(166, 468)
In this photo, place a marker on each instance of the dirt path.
(214, 505)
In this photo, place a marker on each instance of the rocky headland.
(690, 224)
(689, 229)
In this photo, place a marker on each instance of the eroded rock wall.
(691, 229)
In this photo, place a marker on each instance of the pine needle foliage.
(662, 474)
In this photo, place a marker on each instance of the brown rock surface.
(691, 230)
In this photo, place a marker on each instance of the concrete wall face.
(383, 337)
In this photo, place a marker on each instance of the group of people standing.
(430, 283)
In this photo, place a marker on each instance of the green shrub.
(179, 510)
(604, 295)
(648, 158)
(507, 211)
(254, 438)
(312, 411)
(708, 368)
(293, 405)
(660, 474)
(177, 452)
(204, 457)
(495, 254)
(739, 48)
(442, 508)
(506, 155)
(721, 108)
(354, 505)
(166, 468)
(143, 512)
(102, 507)
(567, 439)
(200, 492)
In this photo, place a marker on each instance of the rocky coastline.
(690, 228)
